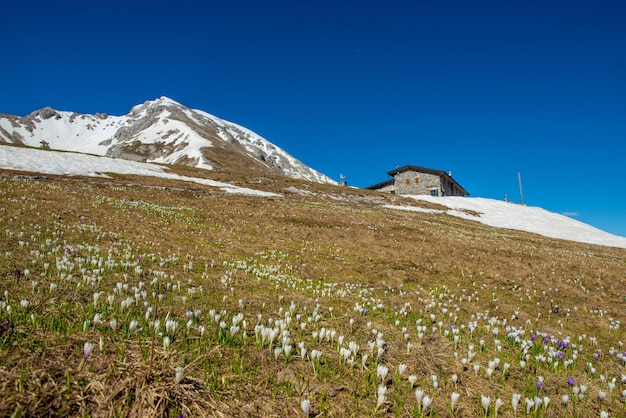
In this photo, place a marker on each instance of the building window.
(434, 192)
(417, 180)
(407, 181)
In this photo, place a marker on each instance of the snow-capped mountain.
(160, 131)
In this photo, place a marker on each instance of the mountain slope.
(140, 296)
(487, 211)
(161, 131)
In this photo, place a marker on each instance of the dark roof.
(419, 169)
(381, 185)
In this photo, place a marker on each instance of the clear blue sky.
(485, 89)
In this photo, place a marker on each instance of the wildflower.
(426, 401)
(381, 371)
(529, 404)
(305, 404)
(113, 324)
(412, 380)
(499, 403)
(515, 398)
(87, 349)
(133, 325)
(570, 381)
(401, 368)
(24, 303)
(505, 368)
(485, 401)
(166, 343)
(180, 374)
(380, 399)
(454, 398)
(419, 394)
(565, 399)
(315, 354)
(539, 384)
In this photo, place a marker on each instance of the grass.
(199, 303)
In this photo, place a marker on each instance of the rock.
(47, 113)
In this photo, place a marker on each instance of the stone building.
(412, 180)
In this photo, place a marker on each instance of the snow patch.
(73, 164)
(533, 219)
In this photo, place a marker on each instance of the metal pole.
(519, 179)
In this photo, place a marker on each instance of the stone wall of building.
(411, 182)
(449, 188)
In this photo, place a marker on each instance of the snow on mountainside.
(161, 131)
(519, 217)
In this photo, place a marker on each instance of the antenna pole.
(519, 179)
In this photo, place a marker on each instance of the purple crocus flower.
(539, 384)
(533, 336)
(365, 311)
(560, 355)
(570, 381)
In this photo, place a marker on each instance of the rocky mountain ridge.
(161, 131)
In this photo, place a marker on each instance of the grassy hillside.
(141, 297)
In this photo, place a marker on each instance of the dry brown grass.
(331, 236)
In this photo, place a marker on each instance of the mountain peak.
(164, 101)
(160, 103)
(45, 113)
(162, 131)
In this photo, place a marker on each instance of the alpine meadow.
(146, 296)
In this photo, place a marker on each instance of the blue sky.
(485, 89)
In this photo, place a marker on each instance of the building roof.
(381, 185)
(418, 169)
